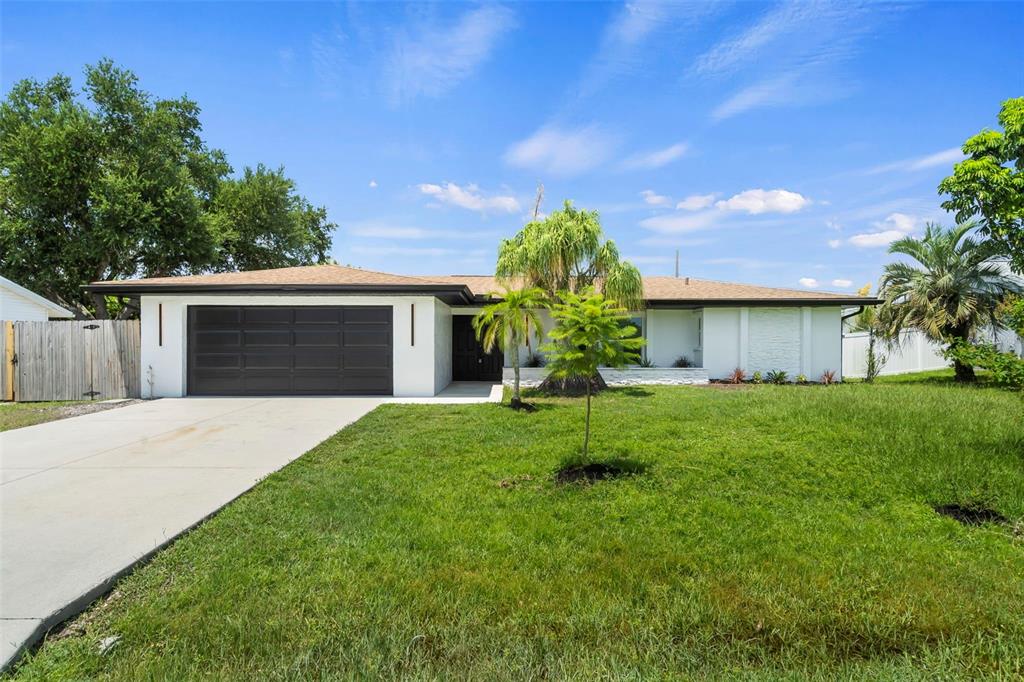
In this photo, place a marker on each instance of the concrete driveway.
(82, 500)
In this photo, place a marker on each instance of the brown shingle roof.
(656, 289)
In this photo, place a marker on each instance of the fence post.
(9, 360)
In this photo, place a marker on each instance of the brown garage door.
(278, 350)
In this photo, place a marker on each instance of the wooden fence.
(76, 360)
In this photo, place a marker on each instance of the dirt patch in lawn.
(970, 515)
(597, 471)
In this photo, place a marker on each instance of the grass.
(771, 532)
(17, 415)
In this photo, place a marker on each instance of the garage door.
(278, 350)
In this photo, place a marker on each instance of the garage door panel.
(313, 315)
(218, 361)
(366, 337)
(277, 350)
(217, 315)
(305, 338)
(267, 316)
(367, 316)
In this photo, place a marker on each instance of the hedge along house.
(328, 329)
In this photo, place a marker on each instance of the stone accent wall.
(632, 376)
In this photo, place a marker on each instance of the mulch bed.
(588, 473)
(973, 515)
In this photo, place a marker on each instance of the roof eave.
(446, 292)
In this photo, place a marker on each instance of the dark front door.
(469, 361)
(289, 350)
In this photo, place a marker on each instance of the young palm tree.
(952, 290)
(510, 322)
(590, 331)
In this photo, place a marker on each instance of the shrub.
(1006, 368)
(682, 361)
(875, 361)
(535, 360)
(645, 362)
(757, 377)
(801, 378)
(777, 376)
(738, 376)
(828, 377)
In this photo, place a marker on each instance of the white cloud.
(842, 283)
(656, 158)
(755, 201)
(373, 184)
(676, 223)
(899, 221)
(562, 152)
(875, 239)
(809, 282)
(833, 225)
(469, 197)
(655, 199)
(947, 157)
(436, 58)
(895, 226)
(835, 243)
(696, 202)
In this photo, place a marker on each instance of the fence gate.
(74, 360)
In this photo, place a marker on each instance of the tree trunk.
(963, 373)
(516, 399)
(586, 429)
(99, 302)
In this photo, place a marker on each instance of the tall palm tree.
(567, 251)
(509, 322)
(950, 292)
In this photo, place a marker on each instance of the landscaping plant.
(828, 377)
(777, 376)
(508, 323)
(738, 376)
(682, 361)
(875, 360)
(1006, 368)
(757, 379)
(953, 290)
(589, 333)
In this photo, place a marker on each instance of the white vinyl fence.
(914, 353)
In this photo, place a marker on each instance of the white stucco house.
(328, 329)
(20, 304)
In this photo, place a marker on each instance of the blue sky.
(781, 144)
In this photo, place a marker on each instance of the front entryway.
(469, 361)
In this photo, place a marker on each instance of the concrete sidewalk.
(82, 500)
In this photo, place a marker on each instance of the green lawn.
(16, 415)
(774, 532)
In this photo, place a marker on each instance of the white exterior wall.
(671, 333)
(799, 340)
(442, 345)
(15, 307)
(722, 336)
(164, 368)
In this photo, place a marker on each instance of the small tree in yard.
(508, 323)
(590, 333)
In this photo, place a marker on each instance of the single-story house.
(328, 329)
(20, 304)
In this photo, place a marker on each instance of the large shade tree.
(989, 184)
(112, 183)
(951, 290)
(567, 251)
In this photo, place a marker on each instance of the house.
(328, 329)
(18, 303)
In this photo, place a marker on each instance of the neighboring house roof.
(52, 309)
(465, 289)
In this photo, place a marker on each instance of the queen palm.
(951, 291)
(509, 322)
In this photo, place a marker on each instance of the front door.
(469, 361)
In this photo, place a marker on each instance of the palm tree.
(567, 251)
(508, 323)
(952, 290)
